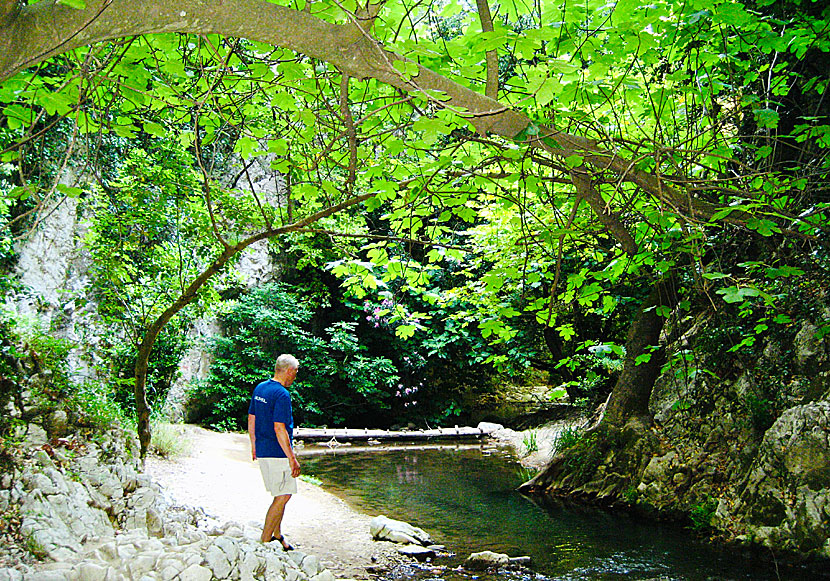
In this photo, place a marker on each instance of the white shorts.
(276, 475)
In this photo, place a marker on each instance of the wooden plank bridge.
(343, 435)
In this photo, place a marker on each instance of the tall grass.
(169, 440)
(529, 441)
(567, 438)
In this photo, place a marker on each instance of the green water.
(465, 499)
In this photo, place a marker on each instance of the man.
(271, 427)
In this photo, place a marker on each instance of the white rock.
(47, 576)
(324, 575)
(249, 565)
(35, 436)
(275, 569)
(196, 573)
(229, 547)
(169, 573)
(384, 528)
(218, 562)
(10, 575)
(311, 565)
(141, 565)
(91, 572)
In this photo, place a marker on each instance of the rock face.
(718, 455)
(386, 529)
(54, 268)
(91, 515)
(786, 500)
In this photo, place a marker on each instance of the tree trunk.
(631, 393)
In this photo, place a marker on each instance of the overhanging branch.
(45, 29)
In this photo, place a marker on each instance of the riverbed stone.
(32, 436)
(384, 528)
(91, 572)
(417, 552)
(486, 559)
(310, 565)
(324, 575)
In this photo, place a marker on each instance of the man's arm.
(285, 444)
(252, 434)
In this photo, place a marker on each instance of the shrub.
(567, 438)
(701, 513)
(169, 440)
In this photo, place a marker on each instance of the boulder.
(787, 495)
(384, 528)
(486, 560)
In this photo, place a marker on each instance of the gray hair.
(286, 361)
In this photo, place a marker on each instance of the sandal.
(286, 546)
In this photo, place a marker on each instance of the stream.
(464, 497)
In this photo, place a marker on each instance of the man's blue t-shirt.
(270, 403)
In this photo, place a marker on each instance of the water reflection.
(406, 473)
(465, 498)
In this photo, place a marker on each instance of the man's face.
(290, 375)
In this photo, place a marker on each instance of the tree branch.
(8, 11)
(492, 87)
(384, 238)
(45, 29)
(589, 193)
(348, 121)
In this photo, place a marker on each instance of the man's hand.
(295, 467)
(252, 434)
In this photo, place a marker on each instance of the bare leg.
(273, 518)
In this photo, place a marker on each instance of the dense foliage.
(337, 379)
(664, 159)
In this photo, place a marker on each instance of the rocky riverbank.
(719, 453)
(87, 513)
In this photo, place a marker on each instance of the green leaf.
(767, 118)
(405, 331)
(76, 4)
(784, 271)
(69, 191)
(154, 129)
(663, 311)
(566, 331)
(734, 294)
(573, 161)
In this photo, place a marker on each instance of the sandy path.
(219, 476)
